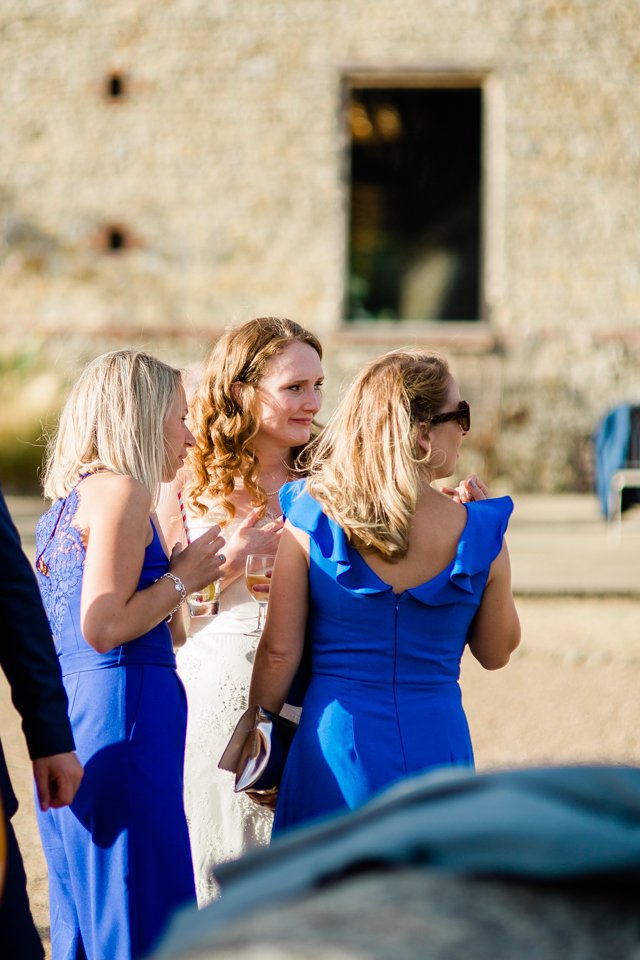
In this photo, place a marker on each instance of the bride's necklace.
(277, 490)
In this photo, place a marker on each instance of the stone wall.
(223, 167)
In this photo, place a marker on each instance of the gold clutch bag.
(257, 752)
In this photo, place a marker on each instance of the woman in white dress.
(251, 416)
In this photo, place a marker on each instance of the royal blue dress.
(119, 858)
(383, 701)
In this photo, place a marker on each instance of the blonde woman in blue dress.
(119, 859)
(252, 413)
(387, 579)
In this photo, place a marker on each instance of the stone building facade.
(169, 167)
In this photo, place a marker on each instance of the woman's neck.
(272, 479)
(275, 466)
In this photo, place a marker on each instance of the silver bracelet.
(179, 588)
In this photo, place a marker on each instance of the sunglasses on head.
(462, 416)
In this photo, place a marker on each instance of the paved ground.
(570, 691)
(562, 546)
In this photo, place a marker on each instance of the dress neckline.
(479, 544)
(445, 572)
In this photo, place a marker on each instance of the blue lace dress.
(383, 701)
(119, 858)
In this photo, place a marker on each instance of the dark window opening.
(115, 86)
(116, 239)
(414, 212)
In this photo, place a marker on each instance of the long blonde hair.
(224, 420)
(113, 420)
(367, 468)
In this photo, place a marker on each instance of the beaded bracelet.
(179, 588)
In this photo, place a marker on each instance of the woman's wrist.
(179, 589)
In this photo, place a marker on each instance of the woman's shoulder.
(109, 492)
(494, 511)
(306, 513)
(301, 508)
(482, 537)
(297, 502)
(115, 482)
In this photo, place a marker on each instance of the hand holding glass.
(258, 570)
(205, 602)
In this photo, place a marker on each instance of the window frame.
(480, 332)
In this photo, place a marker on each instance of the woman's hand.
(246, 539)
(264, 798)
(467, 490)
(199, 563)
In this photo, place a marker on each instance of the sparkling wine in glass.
(258, 570)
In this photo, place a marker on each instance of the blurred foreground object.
(528, 863)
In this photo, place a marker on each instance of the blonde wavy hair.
(223, 413)
(367, 468)
(113, 420)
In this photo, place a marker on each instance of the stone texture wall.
(224, 162)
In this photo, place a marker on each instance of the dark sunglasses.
(462, 415)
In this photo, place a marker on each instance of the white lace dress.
(215, 667)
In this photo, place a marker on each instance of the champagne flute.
(258, 569)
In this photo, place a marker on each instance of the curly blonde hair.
(367, 468)
(113, 420)
(224, 420)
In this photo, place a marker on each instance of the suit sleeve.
(27, 653)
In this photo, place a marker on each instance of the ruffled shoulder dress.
(383, 701)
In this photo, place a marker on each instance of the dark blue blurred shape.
(547, 824)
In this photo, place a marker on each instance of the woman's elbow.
(269, 659)
(101, 645)
(101, 636)
(275, 649)
(497, 656)
(494, 661)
